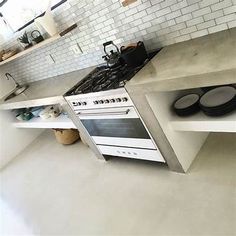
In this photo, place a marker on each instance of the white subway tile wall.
(156, 22)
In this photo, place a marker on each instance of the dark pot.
(37, 37)
(134, 55)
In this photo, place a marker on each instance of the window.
(19, 14)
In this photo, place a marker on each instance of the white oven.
(116, 127)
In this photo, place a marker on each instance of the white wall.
(156, 22)
(5, 85)
(12, 140)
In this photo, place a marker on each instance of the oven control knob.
(84, 103)
(107, 101)
(78, 103)
(125, 99)
(101, 102)
(74, 103)
(95, 102)
(118, 100)
(112, 100)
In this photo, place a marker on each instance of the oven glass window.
(120, 128)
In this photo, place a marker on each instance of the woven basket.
(66, 136)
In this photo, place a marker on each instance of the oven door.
(120, 126)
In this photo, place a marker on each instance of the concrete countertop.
(205, 61)
(45, 92)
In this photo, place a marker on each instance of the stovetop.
(105, 78)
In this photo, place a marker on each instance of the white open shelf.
(36, 46)
(203, 123)
(60, 122)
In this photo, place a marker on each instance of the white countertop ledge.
(45, 92)
(201, 62)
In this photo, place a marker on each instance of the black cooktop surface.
(105, 78)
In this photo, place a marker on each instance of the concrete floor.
(64, 190)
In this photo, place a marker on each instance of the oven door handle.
(126, 112)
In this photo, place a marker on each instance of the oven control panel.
(101, 102)
(112, 100)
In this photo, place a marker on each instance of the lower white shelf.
(203, 123)
(60, 122)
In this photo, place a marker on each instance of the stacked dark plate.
(218, 101)
(215, 102)
(187, 105)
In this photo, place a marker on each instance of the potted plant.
(24, 40)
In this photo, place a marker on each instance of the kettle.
(112, 59)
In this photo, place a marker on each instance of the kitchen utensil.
(37, 37)
(219, 101)
(113, 59)
(187, 105)
(134, 55)
(47, 21)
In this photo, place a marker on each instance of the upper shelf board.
(27, 51)
(39, 45)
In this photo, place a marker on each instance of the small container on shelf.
(36, 36)
(26, 116)
(50, 112)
